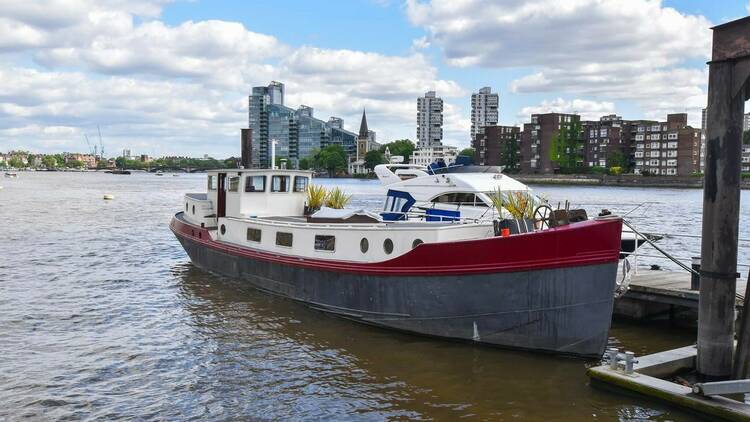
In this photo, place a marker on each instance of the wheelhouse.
(258, 193)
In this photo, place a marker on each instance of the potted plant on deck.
(516, 211)
(316, 197)
(337, 198)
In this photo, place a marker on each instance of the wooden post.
(742, 356)
(721, 201)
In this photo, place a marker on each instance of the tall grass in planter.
(316, 197)
(336, 198)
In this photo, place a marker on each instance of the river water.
(103, 317)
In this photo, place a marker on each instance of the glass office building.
(298, 133)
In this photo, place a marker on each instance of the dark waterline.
(103, 317)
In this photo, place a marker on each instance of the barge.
(548, 289)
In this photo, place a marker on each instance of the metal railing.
(660, 250)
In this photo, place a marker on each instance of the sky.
(164, 77)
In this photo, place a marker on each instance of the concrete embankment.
(689, 182)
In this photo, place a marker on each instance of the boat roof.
(467, 169)
(261, 171)
(449, 179)
(482, 182)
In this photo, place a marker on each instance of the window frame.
(254, 229)
(248, 178)
(323, 243)
(211, 185)
(291, 239)
(294, 185)
(286, 184)
(388, 246)
(236, 181)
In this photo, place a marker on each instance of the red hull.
(580, 244)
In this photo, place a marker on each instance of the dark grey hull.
(564, 310)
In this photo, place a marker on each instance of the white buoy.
(108, 196)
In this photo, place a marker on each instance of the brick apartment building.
(490, 144)
(601, 138)
(536, 140)
(670, 148)
(648, 146)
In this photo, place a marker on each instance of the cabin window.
(325, 243)
(300, 183)
(234, 184)
(388, 246)
(186, 207)
(212, 182)
(193, 209)
(255, 184)
(284, 239)
(253, 235)
(280, 184)
(416, 243)
(223, 229)
(459, 198)
(364, 245)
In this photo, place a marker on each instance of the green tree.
(566, 147)
(121, 162)
(746, 137)
(509, 158)
(60, 160)
(467, 152)
(49, 161)
(74, 164)
(373, 158)
(403, 147)
(304, 164)
(16, 162)
(332, 158)
(616, 159)
(101, 164)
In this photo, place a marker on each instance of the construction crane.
(91, 150)
(101, 145)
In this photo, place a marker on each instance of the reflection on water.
(102, 316)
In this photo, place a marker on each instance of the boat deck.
(671, 287)
(654, 293)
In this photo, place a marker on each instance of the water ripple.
(102, 317)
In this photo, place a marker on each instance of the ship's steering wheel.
(543, 216)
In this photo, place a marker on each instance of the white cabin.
(264, 210)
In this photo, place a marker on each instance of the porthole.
(200, 235)
(223, 229)
(193, 209)
(364, 245)
(416, 243)
(186, 207)
(388, 246)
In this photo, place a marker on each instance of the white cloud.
(420, 43)
(182, 89)
(587, 109)
(608, 49)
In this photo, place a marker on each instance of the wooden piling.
(721, 201)
(742, 355)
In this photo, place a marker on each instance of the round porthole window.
(364, 245)
(223, 229)
(416, 243)
(388, 246)
(193, 209)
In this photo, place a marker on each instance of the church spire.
(363, 126)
